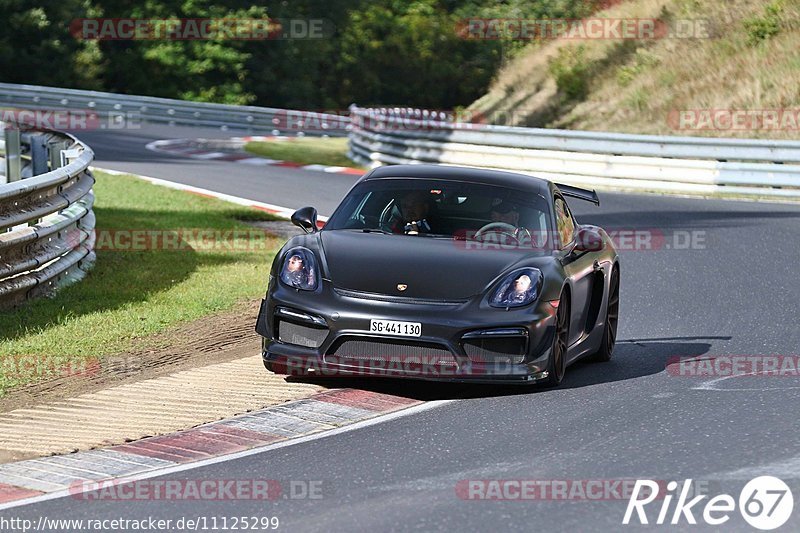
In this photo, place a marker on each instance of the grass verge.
(134, 293)
(331, 151)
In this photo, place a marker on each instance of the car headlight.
(519, 288)
(299, 269)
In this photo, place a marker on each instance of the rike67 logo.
(765, 503)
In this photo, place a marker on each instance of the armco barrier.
(757, 168)
(116, 111)
(698, 165)
(46, 218)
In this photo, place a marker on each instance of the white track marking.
(711, 384)
(283, 212)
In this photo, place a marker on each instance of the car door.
(578, 266)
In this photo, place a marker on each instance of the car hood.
(430, 267)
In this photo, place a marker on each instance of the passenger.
(415, 208)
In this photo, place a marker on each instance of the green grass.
(330, 151)
(760, 28)
(130, 295)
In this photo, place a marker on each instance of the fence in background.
(698, 165)
(46, 218)
(117, 111)
(751, 168)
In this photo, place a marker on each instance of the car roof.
(463, 174)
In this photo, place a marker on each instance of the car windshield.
(439, 208)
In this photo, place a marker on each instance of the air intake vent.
(301, 335)
(379, 351)
(508, 350)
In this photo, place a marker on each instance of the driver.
(505, 212)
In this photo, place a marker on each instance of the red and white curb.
(321, 415)
(324, 414)
(193, 148)
(277, 210)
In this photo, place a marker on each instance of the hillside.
(745, 66)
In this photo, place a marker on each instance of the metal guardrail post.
(67, 155)
(39, 156)
(54, 149)
(13, 167)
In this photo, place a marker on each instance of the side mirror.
(588, 239)
(306, 219)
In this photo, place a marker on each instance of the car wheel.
(557, 366)
(612, 320)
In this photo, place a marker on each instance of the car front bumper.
(326, 334)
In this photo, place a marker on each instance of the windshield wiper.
(429, 235)
(434, 235)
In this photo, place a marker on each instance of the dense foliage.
(378, 52)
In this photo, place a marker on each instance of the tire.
(557, 366)
(606, 350)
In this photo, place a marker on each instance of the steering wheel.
(499, 227)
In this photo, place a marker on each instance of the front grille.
(397, 299)
(358, 351)
(508, 350)
(301, 335)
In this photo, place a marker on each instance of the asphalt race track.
(125, 150)
(734, 291)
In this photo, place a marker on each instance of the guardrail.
(46, 218)
(119, 110)
(699, 165)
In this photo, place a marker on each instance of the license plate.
(393, 327)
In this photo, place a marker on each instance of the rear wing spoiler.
(580, 194)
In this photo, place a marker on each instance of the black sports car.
(444, 273)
